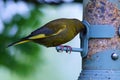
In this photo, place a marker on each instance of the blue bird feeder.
(101, 40)
(100, 43)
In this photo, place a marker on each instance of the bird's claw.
(61, 48)
(66, 48)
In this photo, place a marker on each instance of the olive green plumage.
(54, 33)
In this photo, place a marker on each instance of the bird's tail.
(19, 42)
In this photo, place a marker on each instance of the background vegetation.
(31, 61)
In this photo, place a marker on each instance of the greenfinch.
(54, 33)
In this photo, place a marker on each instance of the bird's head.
(79, 26)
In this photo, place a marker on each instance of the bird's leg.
(61, 48)
(68, 49)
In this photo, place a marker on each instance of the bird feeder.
(100, 42)
(102, 20)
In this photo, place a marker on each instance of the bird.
(54, 33)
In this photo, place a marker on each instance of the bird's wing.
(45, 32)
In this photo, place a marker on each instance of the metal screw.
(114, 56)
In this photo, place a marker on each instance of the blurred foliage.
(20, 59)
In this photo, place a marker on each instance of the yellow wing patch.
(63, 28)
(44, 36)
(21, 42)
(38, 36)
(57, 32)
